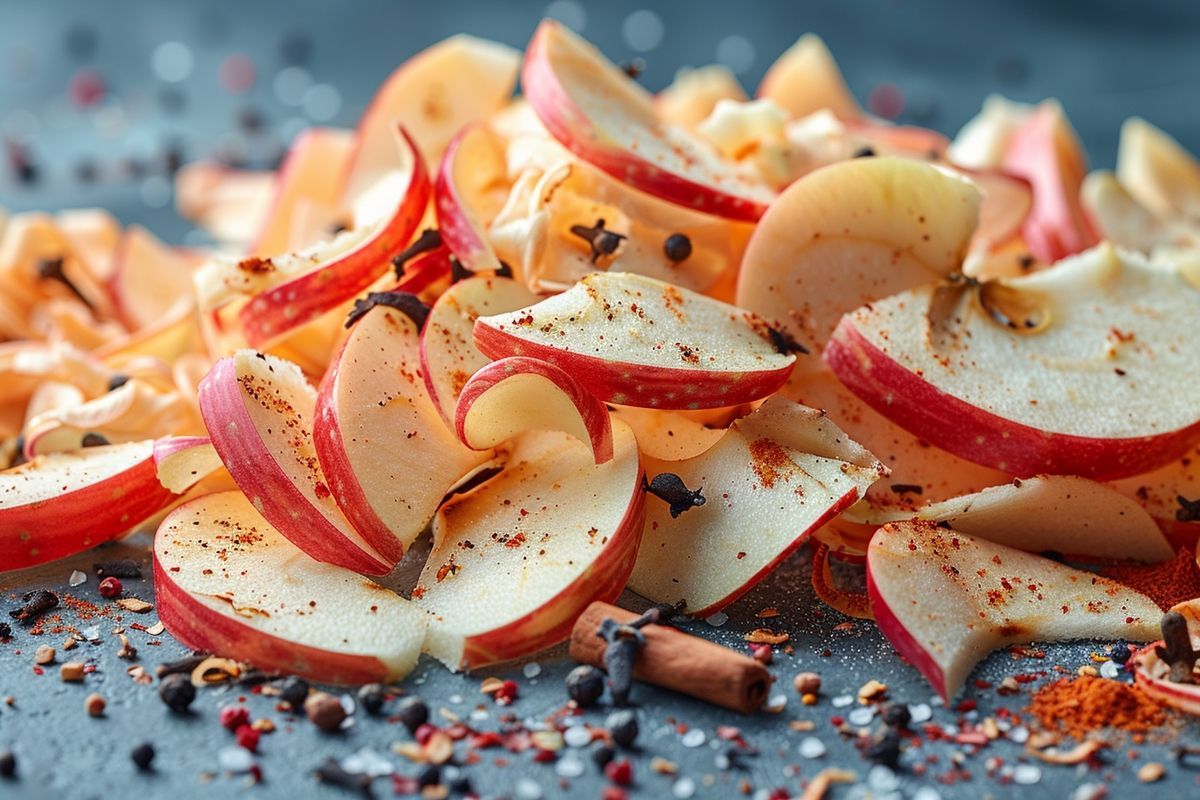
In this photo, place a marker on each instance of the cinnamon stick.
(679, 661)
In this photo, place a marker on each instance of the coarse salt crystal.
(1020, 735)
(1027, 774)
(718, 619)
(77, 578)
(882, 779)
(569, 767)
(528, 789)
(577, 736)
(811, 747)
(532, 669)
(683, 788)
(234, 759)
(920, 712)
(694, 738)
(1109, 670)
(861, 716)
(842, 700)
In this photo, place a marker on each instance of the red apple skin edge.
(304, 298)
(949, 423)
(649, 387)
(76, 521)
(1182, 696)
(898, 635)
(221, 399)
(566, 123)
(200, 628)
(604, 583)
(458, 232)
(594, 413)
(847, 500)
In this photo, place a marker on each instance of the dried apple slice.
(666, 435)
(228, 204)
(60, 504)
(806, 79)
(1045, 151)
(518, 558)
(513, 395)
(633, 340)
(473, 164)
(1027, 379)
(776, 476)
(386, 214)
(385, 452)
(150, 278)
(1152, 676)
(851, 233)
(313, 172)
(259, 413)
(1168, 494)
(945, 600)
(1160, 173)
(449, 356)
(694, 93)
(230, 584)
(93, 235)
(597, 112)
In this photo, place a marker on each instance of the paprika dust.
(1167, 584)
(1084, 705)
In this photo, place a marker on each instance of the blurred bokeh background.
(101, 99)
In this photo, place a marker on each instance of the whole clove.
(51, 269)
(36, 603)
(669, 487)
(505, 270)
(120, 568)
(619, 655)
(1176, 649)
(784, 343)
(117, 381)
(331, 772)
(1189, 510)
(458, 272)
(602, 241)
(408, 304)
(93, 439)
(181, 666)
(429, 240)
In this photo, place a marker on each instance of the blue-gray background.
(1107, 59)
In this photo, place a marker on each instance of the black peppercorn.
(585, 684)
(897, 715)
(602, 754)
(93, 439)
(177, 692)
(461, 785)
(1121, 653)
(677, 247)
(622, 727)
(117, 381)
(372, 697)
(143, 756)
(413, 713)
(8, 764)
(885, 750)
(864, 152)
(430, 775)
(5, 631)
(294, 691)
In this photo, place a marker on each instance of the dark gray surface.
(64, 753)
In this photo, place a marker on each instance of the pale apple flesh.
(694, 93)
(513, 395)
(774, 478)
(945, 600)
(473, 162)
(259, 413)
(449, 356)
(595, 110)
(633, 340)
(806, 79)
(1159, 492)
(1084, 392)
(230, 584)
(60, 504)
(1158, 171)
(518, 558)
(851, 233)
(386, 454)
(667, 435)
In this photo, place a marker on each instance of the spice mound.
(1081, 706)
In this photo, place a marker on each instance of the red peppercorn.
(544, 756)
(763, 653)
(247, 737)
(507, 693)
(110, 587)
(486, 739)
(613, 793)
(619, 772)
(423, 732)
(233, 717)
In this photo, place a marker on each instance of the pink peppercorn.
(233, 717)
(110, 587)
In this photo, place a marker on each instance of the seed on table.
(177, 692)
(94, 704)
(585, 685)
(1151, 772)
(71, 672)
(807, 683)
(622, 727)
(371, 697)
(325, 711)
(143, 756)
(8, 764)
(44, 655)
(294, 691)
(413, 713)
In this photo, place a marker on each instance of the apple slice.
(603, 116)
(1117, 215)
(851, 233)
(1026, 400)
(93, 235)
(448, 353)
(634, 340)
(385, 452)
(389, 210)
(474, 163)
(775, 476)
(516, 559)
(1165, 493)
(806, 79)
(1007, 203)
(230, 584)
(1073, 516)
(1160, 173)
(667, 435)
(1152, 676)
(56, 505)
(945, 600)
(694, 93)
(982, 142)
(259, 413)
(312, 172)
(513, 395)
(1045, 151)
(229, 204)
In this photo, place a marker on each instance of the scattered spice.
(143, 756)
(44, 655)
(185, 665)
(294, 691)
(669, 487)
(602, 241)
(585, 685)
(408, 304)
(1080, 706)
(51, 269)
(71, 672)
(1151, 772)
(110, 588)
(94, 704)
(36, 603)
(325, 711)
(212, 670)
(825, 779)
(177, 691)
(134, 604)
(622, 727)
(784, 343)
(1189, 510)
(372, 697)
(429, 240)
(1167, 583)
(1176, 649)
(677, 247)
(1080, 753)
(8, 764)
